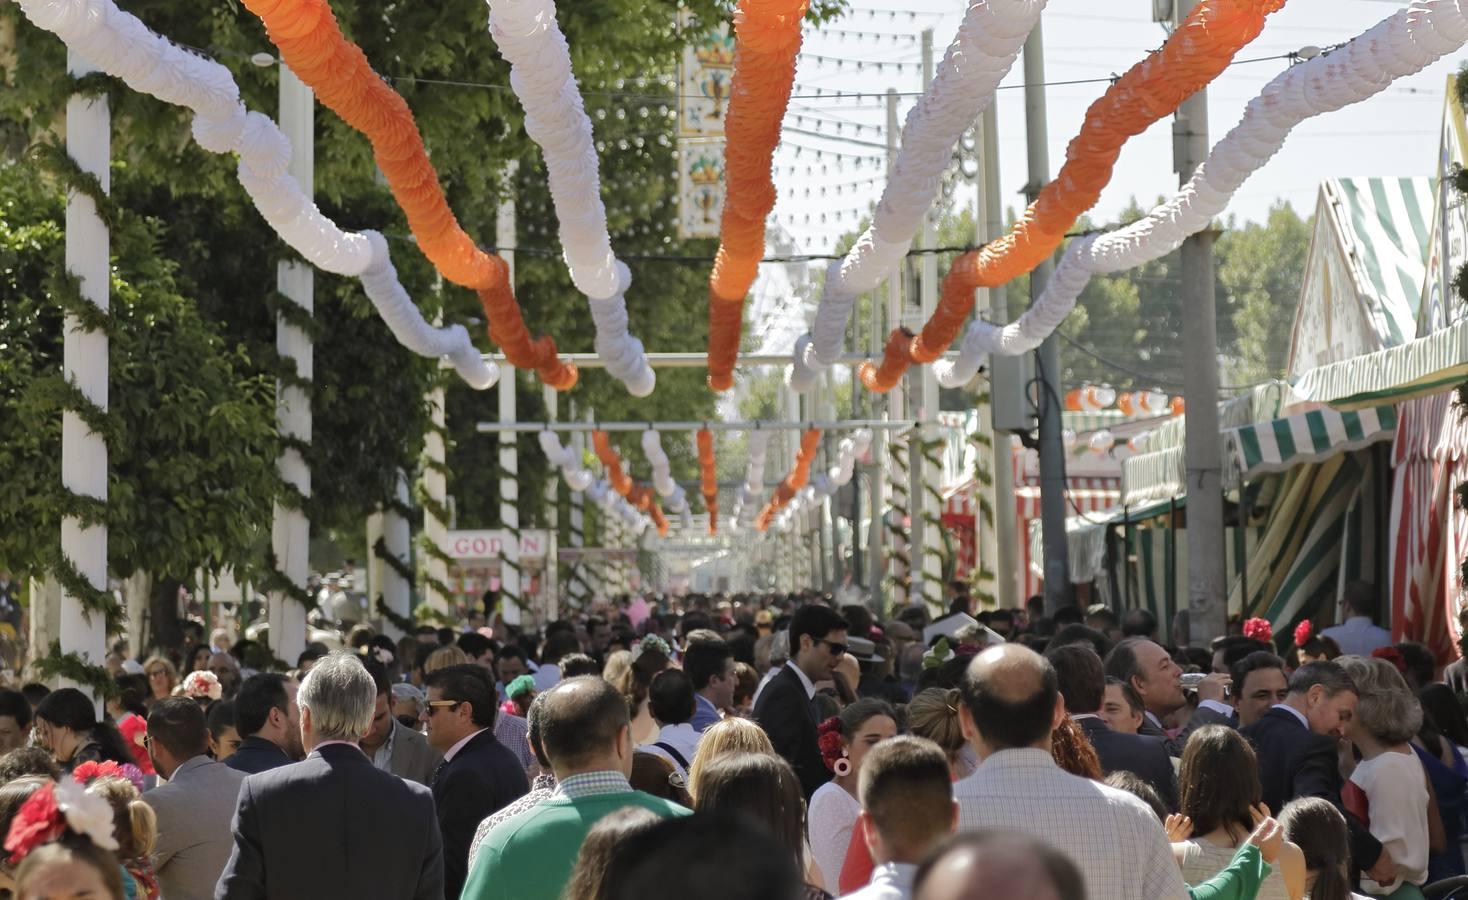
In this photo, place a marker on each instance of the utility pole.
(1207, 600)
(990, 219)
(1047, 358)
(291, 534)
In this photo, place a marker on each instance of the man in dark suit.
(1150, 669)
(269, 722)
(333, 826)
(785, 708)
(1295, 742)
(479, 775)
(391, 745)
(1083, 684)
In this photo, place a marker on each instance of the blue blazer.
(482, 778)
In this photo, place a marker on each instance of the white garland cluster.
(825, 484)
(541, 76)
(615, 504)
(747, 503)
(1401, 44)
(577, 477)
(991, 36)
(662, 474)
(122, 46)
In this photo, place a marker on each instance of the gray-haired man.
(333, 825)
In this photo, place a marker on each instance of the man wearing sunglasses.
(785, 708)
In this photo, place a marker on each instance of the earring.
(842, 766)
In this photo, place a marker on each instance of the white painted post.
(85, 364)
(435, 489)
(510, 583)
(396, 590)
(550, 581)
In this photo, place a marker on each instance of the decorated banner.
(705, 81)
(700, 187)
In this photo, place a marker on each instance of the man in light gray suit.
(391, 745)
(194, 807)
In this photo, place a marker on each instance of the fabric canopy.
(1281, 444)
(1415, 369)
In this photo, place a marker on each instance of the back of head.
(982, 864)
(1218, 781)
(575, 665)
(1069, 614)
(1139, 623)
(16, 792)
(1387, 709)
(1080, 675)
(1011, 692)
(23, 761)
(654, 775)
(177, 725)
(340, 696)
(933, 714)
(705, 658)
(1133, 784)
(15, 705)
(761, 787)
(1076, 633)
(1329, 675)
(905, 788)
(1360, 598)
(670, 698)
(467, 683)
(723, 738)
(134, 824)
(1319, 830)
(558, 645)
(581, 721)
(474, 644)
(1236, 647)
(815, 621)
(602, 845)
(68, 708)
(443, 657)
(695, 856)
(256, 698)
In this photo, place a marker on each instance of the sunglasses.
(435, 705)
(835, 648)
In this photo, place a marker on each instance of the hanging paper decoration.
(620, 481)
(754, 480)
(984, 50)
(1401, 44)
(540, 74)
(336, 69)
(1194, 55)
(567, 460)
(810, 441)
(767, 38)
(708, 477)
(662, 472)
(122, 46)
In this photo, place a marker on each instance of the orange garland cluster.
(708, 477)
(642, 497)
(810, 441)
(312, 44)
(767, 34)
(1197, 53)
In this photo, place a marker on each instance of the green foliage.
(1260, 269)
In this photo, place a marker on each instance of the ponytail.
(144, 826)
(1319, 830)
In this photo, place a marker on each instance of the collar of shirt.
(452, 751)
(382, 759)
(810, 688)
(677, 735)
(897, 875)
(1153, 719)
(590, 784)
(703, 702)
(1021, 758)
(1294, 712)
(352, 744)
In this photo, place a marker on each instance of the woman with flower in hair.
(203, 687)
(66, 725)
(650, 655)
(134, 826)
(1311, 646)
(844, 741)
(62, 839)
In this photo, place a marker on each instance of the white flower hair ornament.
(201, 685)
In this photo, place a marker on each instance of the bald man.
(1011, 704)
(987, 864)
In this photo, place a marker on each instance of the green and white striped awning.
(1415, 369)
(1275, 446)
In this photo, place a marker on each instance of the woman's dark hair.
(1218, 782)
(1133, 784)
(1443, 714)
(14, 793)
(857, 714)
(602, 845)
(23, 761)
(654, 775)
(221, 715)
(133, 693)
(70, 708)
(194, 657)
(693, 856)
(1319, 830)
(762, 788)
(72, 848)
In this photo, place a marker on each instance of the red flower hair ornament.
(53, 810)
(1258, 629)
(1391, 655)
(833, 747)
(88, 772)
(1303, 633)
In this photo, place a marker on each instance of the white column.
(85, 364)
(396, 590)
(550, 582)
(510, 583)
(291, 534)
(435, 489)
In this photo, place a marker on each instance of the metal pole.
(509, 456)
(291, 534)
(895, 399)
(928, 478)
(1207, 594)
(85, 364)
(1006, 526)
(1047, 358)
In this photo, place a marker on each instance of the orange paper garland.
(708, 477)
(1196, 54)
(640, 496)
(767, 34)
(810, 441)
(311, 43)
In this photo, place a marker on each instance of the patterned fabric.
(593, 783)
(1114, 839)
(542, 789)
(511, 731)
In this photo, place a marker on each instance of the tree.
(1260, 270)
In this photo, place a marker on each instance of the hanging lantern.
(1102, 442)
(1068, 438)
(1073, 400)
(1179, 406)
(1126, 405)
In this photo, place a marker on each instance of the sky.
(1393, 134)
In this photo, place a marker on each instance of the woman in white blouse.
(1388, 789)
(845, 740)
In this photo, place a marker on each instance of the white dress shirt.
(459, 745)
(681, 737)
(1112, 836)
(1294, 712)
(890, 881)
(1358, 636)
(805, 682)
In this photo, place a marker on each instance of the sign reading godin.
(490, 544)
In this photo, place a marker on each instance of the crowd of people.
(752, 748)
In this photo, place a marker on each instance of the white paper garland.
(1401, 44)
(989, 40)
(566, 459)
(555, 118)
(122, 46)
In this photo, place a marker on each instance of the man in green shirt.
(587, 736)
